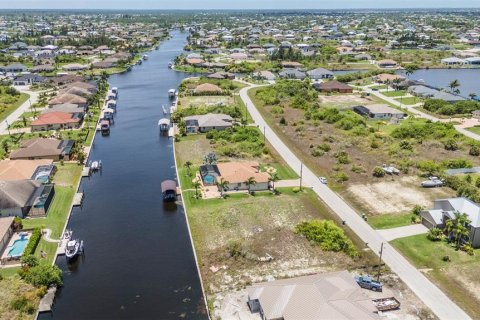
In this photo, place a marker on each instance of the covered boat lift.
(169, 190)
(164, 124)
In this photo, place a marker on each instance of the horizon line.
(250, 9)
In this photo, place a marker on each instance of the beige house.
(20, 169)
(207, 122)
(236, 173)
(333, 295)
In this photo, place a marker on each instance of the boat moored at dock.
(172, 93)
(145, 57)
(73, 249)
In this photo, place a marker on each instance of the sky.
(234, 4)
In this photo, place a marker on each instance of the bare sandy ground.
(400, 195)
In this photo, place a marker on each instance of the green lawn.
(8, 272)
(379, 87)
(388, 221)
(475, 129)
(425, 254)
(409, 100)
(284, 172)
(5, 112)
(57, 213)
(67, 174)
(394, 93)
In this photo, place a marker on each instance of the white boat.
(96, 165)
(115, 90)
(73, 249)
(145, 57)
(172, 93)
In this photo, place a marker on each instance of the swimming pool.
(208, 179)
(18, 247)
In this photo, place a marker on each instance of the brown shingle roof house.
(207, 87)
(42, 148)
(333, 295)
(333, 86)
(68, 98)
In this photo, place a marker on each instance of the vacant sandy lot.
(197, 101)
(344, 100)
(395, 196)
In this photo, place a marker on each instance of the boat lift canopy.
(169, 185)
(164, 122)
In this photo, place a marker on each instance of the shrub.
(458, 163)
(378, 172)
(327, 235)
(23, 304)
(234, 248)
(32, 243)
(435, 234)
(341, 177)
(374, 144)
(342, 157)
(451, 145)
(296, 189)
(468, 249)
(417, 209)
(358, 169)
(29, 261)
(474, 150)
(283, 121)
(43, 275)
(317, 152)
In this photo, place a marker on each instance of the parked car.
(432, 182)
(323, 180)
(367, 282)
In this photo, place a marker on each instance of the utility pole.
(8, 127)
(264, 136)
(380, 262)
(301, 175)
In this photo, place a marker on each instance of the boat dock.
(86, 172)
(47, 301)
(78, 199)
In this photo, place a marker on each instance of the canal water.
(139, 262)
(441, 78)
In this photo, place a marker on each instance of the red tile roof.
(54, 118)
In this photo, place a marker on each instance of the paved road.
(15, 115)
(431, 295)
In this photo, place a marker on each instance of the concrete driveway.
(430, 294)
(402, 232)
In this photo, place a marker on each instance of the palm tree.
(222, 186)
(410, 69)
(188, 165)
(250, 182)
(273, 178)
(457, 228)
(454, 86)
(472, 95)
(196, 184)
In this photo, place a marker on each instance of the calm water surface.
(139, 261)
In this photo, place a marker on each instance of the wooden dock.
(86, 172)
(78, 199)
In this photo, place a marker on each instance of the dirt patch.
(344, 100)
(467, 276)
(396, 196)
(199, 101)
